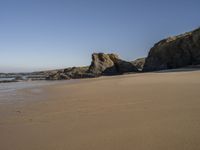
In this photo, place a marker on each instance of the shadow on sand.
(185, 69)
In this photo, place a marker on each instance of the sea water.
(6, 79)
(9, 92)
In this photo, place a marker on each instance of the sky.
(48, 34)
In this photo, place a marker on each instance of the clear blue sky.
(47, 34)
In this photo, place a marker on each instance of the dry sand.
(150, 111)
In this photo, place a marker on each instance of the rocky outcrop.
(139, 63)
(57, 76)
(78, 72)
(102, 64)
(70, 73)
(175, 52)
(109, 64)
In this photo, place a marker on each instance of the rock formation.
(102, 64)
(139, 63)
(175, 52)
(109, 64)
(59, 75)
(70, 73)
(78, 72)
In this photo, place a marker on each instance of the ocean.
(9, 92)
(6, 79)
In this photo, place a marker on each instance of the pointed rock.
(109, 64)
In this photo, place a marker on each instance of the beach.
(143, 111)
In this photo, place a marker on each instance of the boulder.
(102, 63)
(109, 64)
(175, 52)
(139, 63)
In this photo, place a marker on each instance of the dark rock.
(109, 64)
(57, 76)
(19, 78)
(175, 52)
(139, 63)
(8, 81)
(124, 66)
(78, 72)
(70, 73)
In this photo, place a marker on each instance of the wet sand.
(149, 111)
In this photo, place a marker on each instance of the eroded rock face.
(139, 63)
(103, 63)
(109, 64)
(175, 52)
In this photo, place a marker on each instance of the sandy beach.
(147, 111)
